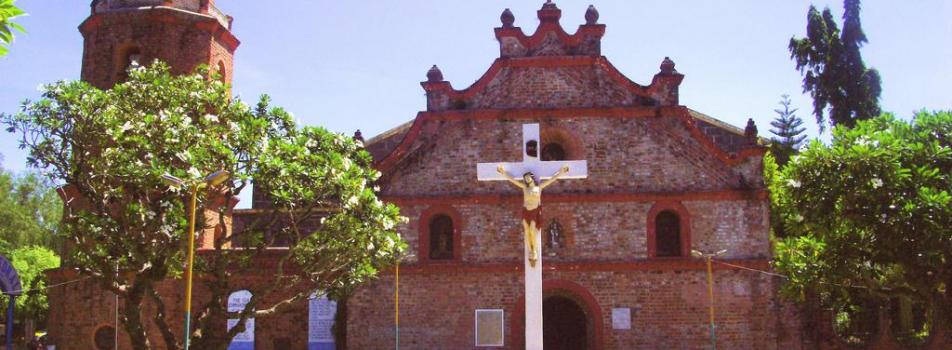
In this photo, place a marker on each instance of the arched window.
(133, 58)
(553, 151)
(129, 57)
(441, 237)
(222, 74)
(667, 234)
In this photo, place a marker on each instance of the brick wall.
(182, 39)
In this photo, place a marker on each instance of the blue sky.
(350, 65)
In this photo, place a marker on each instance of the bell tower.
(182, 33)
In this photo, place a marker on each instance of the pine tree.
(833, 68)
(787, 127)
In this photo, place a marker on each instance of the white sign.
(489, 327)
(621, 318)
(320, 320)
(244, 340)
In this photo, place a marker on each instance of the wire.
(751, 269)
(25, 291)
(788, 278)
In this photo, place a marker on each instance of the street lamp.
(212, 180)
(710, 286)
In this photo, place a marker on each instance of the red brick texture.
(177, 33)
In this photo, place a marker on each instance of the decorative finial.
(591, 15)
(434, 74)
(549, 12)
(667, 66)
(750, 132)
(507, 18)
(358, 136)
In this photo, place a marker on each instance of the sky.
(349, 65)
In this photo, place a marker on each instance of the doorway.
(564, 324)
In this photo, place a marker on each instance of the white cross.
(578, 169)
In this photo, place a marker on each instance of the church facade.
(663, 180)
(618, 273)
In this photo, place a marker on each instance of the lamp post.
(710, 288)
(212, 180)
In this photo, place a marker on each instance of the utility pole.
(710, 288)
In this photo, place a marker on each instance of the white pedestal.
(533, 276)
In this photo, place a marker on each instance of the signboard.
(621, 318)
(320, 322)
(489, 327)
(244, 340)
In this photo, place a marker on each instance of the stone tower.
(182, 33)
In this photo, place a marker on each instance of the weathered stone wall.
(78, 310)
(628, 154)
(182, 39)
(668, 308)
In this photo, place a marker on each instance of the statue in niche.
(554, 240)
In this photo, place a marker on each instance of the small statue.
(531, 205)
(554, 235)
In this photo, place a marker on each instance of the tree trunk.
(132, 318)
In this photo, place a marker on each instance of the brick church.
(663, 180)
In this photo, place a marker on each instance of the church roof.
(381, 145)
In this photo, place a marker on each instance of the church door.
(564, 325)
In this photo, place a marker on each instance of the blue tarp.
(9, 280)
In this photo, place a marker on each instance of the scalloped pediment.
(552, 69)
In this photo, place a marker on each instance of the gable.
(636, 151)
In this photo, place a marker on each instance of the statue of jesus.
(531, 205)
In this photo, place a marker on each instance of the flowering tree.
(870, 216)
(110, 149)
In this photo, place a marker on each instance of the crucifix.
(533, 175)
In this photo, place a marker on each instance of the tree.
(110, 148)
(870, 215)
(30, 211)
(787, 128)
(7, 12)
(30, 263)
(833, 68)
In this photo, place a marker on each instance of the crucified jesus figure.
(531, 205)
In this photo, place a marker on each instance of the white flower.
(211, 118)
(125, 127)
(876, 182)
(793, 183)
(351, 202)
(194, 173)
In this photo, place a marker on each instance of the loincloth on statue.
(532, 215)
